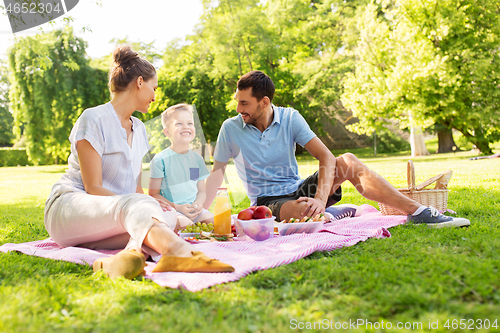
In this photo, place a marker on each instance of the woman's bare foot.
(165, 241)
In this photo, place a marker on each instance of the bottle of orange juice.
(222, 213)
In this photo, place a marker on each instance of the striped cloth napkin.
(244, 256)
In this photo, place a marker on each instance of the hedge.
(13, 157)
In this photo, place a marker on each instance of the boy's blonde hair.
(166, 116)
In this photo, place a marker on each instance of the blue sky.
(139, 20)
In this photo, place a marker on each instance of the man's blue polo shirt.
(265, 161)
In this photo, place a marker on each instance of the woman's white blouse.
(121, 164)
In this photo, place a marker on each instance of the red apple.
(245, 214)
(252, 208)
(262, 212)
(252, 230)
(262, 235)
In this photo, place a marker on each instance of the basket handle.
(442, 178)
(410, 169)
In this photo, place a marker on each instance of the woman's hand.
(165, 206)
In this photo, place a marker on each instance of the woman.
(99, 203)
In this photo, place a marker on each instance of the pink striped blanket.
(244, 256)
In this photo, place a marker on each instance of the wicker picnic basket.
(436, 197)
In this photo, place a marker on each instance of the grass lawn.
(419, 275)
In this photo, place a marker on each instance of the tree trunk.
(478, 140)
(247, 56)
(482, 144)
(239, 61)
(417, 142)
(445, 141)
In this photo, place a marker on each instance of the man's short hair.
(261, 84)
(166, 116)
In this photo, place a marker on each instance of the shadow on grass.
(429, 158)
(403, 156)
(54, 168)
(55, 171)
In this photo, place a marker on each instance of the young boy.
(177, 173)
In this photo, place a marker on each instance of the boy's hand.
(197, 208)
(190, 211)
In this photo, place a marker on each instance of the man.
(483, 157)
(261, 140)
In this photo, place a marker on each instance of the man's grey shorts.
(308, 188)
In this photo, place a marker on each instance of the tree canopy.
(436, 61)
(51, 85)
(6, 119)
(295, 42)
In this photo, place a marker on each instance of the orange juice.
(222, 213)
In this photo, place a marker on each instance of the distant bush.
(13, 157)
(389, 142)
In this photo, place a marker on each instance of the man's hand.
(312, 206)
(190, 211)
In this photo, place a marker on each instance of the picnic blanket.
(244, 256)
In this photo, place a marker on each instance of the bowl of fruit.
(195, 229)
(256, 223)
(306, 225)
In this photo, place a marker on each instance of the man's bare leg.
(368, 183)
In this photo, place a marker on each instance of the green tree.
(52, 84)
(313, 36)
(204, 70)
(239, 38)
(145, 50)
(293, 41)
(6, 119)
(185, 78)
(437, 61)
(298, 44)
